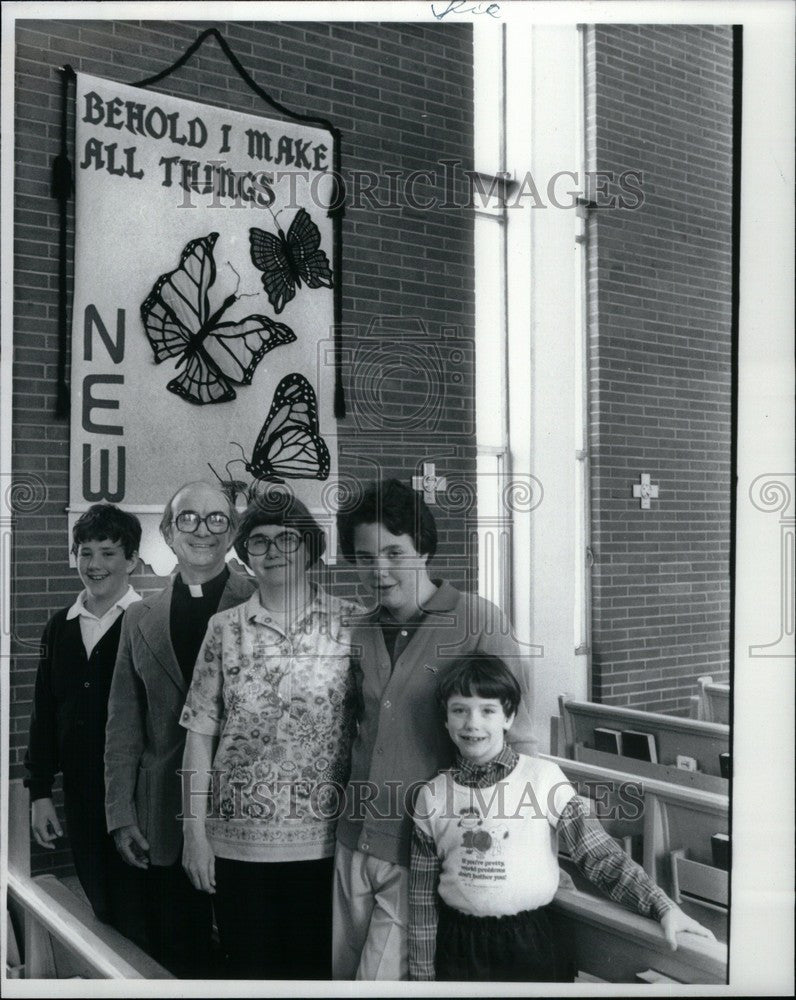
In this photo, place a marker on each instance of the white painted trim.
(761, 947)
(6, 397)
(545, 326)
(494, 527)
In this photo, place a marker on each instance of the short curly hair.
(399, 508)
(282, 508)
(106, 521)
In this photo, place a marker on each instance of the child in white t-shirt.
(484, 866)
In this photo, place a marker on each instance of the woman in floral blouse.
(270, 720)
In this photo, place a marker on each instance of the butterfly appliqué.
(213, 355)
(286, 261)
(289, 445)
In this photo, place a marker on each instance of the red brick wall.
(660, 102)
(402, 97)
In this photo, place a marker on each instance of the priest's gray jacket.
(144, 740)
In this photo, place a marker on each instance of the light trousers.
(370, 917)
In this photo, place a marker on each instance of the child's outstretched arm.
(606, 865)
(423, 908)
(675, 922)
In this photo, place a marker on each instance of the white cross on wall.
(645, 491)
(429, 483)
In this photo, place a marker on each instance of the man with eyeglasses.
(144, 740)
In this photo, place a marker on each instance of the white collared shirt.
(92, 629)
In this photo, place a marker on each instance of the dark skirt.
(275, 918)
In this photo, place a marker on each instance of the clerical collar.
(206, 589)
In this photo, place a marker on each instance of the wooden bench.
(713, 703)
(572, 735)
(672, 826)
(614, 945)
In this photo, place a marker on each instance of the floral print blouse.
(281, 703)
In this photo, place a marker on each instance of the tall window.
(530, 347)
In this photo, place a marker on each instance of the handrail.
(100, 948)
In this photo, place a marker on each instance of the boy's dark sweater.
(70, 710)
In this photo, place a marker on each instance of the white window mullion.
(494, 522)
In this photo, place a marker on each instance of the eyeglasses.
(259, 545)
(188, 521)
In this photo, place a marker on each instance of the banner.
(202, 324)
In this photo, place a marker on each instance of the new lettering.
(93, 401)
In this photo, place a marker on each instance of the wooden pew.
(673, 826)
(714, 701)
(573, 737)
(615, 945)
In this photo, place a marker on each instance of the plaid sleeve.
(604, 863)
(423, 912)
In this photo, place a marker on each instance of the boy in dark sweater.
(70, 707)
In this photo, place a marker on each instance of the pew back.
(714, 700)
(674, 736)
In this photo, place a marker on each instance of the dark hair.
(399, 508)
(104, 520)
(479, 675)
(168, 510)
(280, 507)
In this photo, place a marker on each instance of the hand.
(198, 860)
(675, 922)
(132, 845)
(44, 823)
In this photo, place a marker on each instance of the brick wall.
(402, 97)
(660, 102)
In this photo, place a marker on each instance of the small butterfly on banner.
(213, 355)
(286, 261)
(289, 446)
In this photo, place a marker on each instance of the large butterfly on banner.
(212, 355)
(286, 261)
(289, 446)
